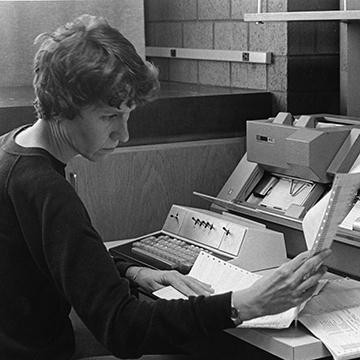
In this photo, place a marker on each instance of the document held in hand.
(321, 221)
(224, 277)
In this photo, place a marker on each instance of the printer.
(290, 163)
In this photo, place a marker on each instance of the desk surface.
(294, 343)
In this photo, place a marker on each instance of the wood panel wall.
(130, 193)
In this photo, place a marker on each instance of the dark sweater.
(51, 258)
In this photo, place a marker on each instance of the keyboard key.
(167, 264)
(168, 252)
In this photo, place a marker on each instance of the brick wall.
(304, 73)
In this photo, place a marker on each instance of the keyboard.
(167, 252)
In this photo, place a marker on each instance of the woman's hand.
(152, 280)
(290, 285)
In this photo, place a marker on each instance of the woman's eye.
(110, 117)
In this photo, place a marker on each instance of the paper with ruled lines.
(224, 277)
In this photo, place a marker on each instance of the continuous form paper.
(224, 277)
(221, 275)
(321, 221)
(334, 317)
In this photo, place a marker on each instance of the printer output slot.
(285, 194)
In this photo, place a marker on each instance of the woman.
(87, 80)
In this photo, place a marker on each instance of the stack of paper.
(334, 317)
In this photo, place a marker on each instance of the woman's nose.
(121, 134)
(124, 136)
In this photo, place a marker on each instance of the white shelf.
(210, 54)
(341, 15)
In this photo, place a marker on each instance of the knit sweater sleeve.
(122, 265)
(68, 250)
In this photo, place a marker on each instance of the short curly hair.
(88, 62)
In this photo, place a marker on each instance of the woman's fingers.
(188, 285)
(198, 286)
(304, 261)
(308, 293)
(310, 266)
(312, 281)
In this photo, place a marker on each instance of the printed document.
(334, 317)
(224, 277)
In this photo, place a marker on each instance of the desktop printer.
(289, 164)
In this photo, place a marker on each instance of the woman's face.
(98, 130)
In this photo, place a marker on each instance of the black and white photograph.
(179, 179)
